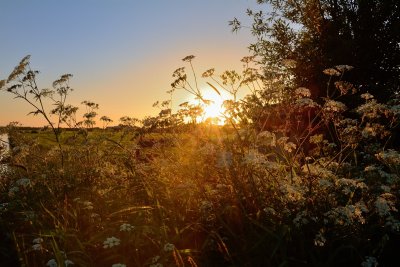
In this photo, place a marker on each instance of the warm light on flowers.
(111, 242)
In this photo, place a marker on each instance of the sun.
(214, 111)
(214, 108)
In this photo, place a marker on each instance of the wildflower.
(126, 227)
(289, 147)
(384, 204)
(111, 242)
(367, 96)
(347, 214)
(52, 263)
(188, 58)
(293, 193)
(371, 168)
(389, 156)
(169, 247)
(343, 68)
(283, 140)
(368, 132)
(267, 138)
(87, 205)
(345, 87)
(306, 102)
(303, 92)
(319, 239)
(37, 247)
(254, 157)
(37, 240)
(372, 109)
(331, 72)
(118, 265)
(300, 219)
(316, 139)
(334, 106)
(369, 262)
(208, 73)
(155, 259)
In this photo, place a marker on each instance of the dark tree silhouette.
(319, 34)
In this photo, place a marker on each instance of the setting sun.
(214, 110)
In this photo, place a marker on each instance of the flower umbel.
(111, 242)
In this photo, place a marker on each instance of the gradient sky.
(122, 53)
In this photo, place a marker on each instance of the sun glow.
(214, 111)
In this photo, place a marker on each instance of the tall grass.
(315, 185)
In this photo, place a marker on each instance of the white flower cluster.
(126, 227)
(111, 242)
(346, 215)
(372, 109)
(302, 92)
(385, 203)
(306, 102)
(254, 157)
(367, 96)
(37, 243)
(155, 263)
(343, 68)
(390, 156)
(169, 247)
(293, 193)
(267, 138)
(320, 239)
(289, 147)
(334, 106)
(348, 186)
(331, 72)
(301, 219)
(345, 87)
(87, 205)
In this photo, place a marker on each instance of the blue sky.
(122, 53)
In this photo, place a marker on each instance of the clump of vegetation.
(290, 179)
(315, 185)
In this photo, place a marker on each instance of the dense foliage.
(295, 177)
(288, 183)
(317, 34)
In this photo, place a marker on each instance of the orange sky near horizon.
(128, 82)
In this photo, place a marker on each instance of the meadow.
(285, 181)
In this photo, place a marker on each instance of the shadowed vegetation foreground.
(315, 185)
(304, 172)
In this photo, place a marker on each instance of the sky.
(122, 53)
